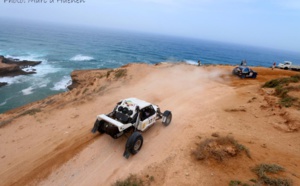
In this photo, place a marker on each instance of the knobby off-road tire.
(101, 127)
(98, 126)
(167, 117)
(134, 142)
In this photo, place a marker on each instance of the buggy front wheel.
(133, 144)
(167, 117)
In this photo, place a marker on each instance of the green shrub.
(281, 91)
(2, 123)
(262, 170)
(120, 73)
(234, 183)
(108, 73)
(132, 180)
(31, 111)
(271, 84)
(287, 101)
(282, 81)
(237, 183)
(295, 78)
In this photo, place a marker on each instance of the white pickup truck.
(288, 65)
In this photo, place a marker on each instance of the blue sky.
(266, 23)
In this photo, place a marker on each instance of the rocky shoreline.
(13, 67)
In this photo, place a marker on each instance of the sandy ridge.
(54, 146)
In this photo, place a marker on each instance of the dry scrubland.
(225, 130)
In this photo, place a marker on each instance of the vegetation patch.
(134, 180)
(2, 123)
(31, 111)
(282, 81)
(102, 88)
(236, 110)
(108, 73)
(288, 101)
(263, 172)
(120, 73)
(219, 149)
(131, 180)
(237, 183)
(282, 88)
(117, 73)
(215, 134)
(85, 90)
(27, 112)
(267, 175)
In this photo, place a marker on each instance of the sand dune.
(49, 142)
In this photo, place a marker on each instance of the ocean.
(63, 48)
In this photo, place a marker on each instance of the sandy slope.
(52, 144)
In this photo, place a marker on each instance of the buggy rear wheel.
(101, 127)
(98, 126)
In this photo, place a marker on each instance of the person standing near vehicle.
(274, 65)
(244, 62)
(199, 63)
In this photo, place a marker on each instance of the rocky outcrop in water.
(14, 67)
(3, 84)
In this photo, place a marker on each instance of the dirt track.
(54, 146)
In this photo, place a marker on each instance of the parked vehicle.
(244, 72)
(133, 116)
(288, 65)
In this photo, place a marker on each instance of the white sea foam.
(188, 61)
(45, 68)
(35, 84)
(29, 69)
(29, 57)
(80, 57)
(191, 62)
(27, 91)
(3, 103)
(40, 82)
(62, 84)
(10, 80)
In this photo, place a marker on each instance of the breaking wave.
(35, 85)
(80, 57)
(62, 84)
(11, 80)
(27, 91)
(191, 62)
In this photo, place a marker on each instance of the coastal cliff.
(49, 142)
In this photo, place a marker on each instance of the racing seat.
(123, 118)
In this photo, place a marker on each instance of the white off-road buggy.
(131, 115)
